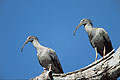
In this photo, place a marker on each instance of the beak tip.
(24, 45)
(73, 34)
(21, 50)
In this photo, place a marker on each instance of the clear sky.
(53, 22)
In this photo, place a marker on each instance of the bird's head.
(29, 39)
(82, 22)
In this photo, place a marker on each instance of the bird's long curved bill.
(76, 28)
(24, 45)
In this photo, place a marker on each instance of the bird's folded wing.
(55, 60)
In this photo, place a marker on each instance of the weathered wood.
(107, 68)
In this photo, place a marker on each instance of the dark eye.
(83, 20)
(29, 38)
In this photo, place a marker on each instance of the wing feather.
(55, 60)
(107, 41)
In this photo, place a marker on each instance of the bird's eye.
(29, 37)
(83, 20)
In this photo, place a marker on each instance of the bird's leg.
(48, 73)
(50, 67)
(104, 52)
(96, 53)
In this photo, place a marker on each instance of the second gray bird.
(98, 37)
(46, 56)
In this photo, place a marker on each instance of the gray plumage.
(98, 37)
(46, 56)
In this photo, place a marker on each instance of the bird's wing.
(105, 35)
(55, 60)
(106, 38)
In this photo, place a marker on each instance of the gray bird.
(98, 37)
(46, 56)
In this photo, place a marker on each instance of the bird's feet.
(48, 73)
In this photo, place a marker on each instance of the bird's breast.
(44, 58)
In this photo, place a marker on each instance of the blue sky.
(53, 22)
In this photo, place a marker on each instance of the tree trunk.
(107, 68)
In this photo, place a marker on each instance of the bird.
(98, 37)
(45, 55)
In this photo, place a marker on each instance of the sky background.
(53, 22)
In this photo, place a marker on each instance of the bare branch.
(107, 68)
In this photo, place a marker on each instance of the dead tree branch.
(107, 68)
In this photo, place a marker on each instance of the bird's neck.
(88, 27)
(37, 45)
